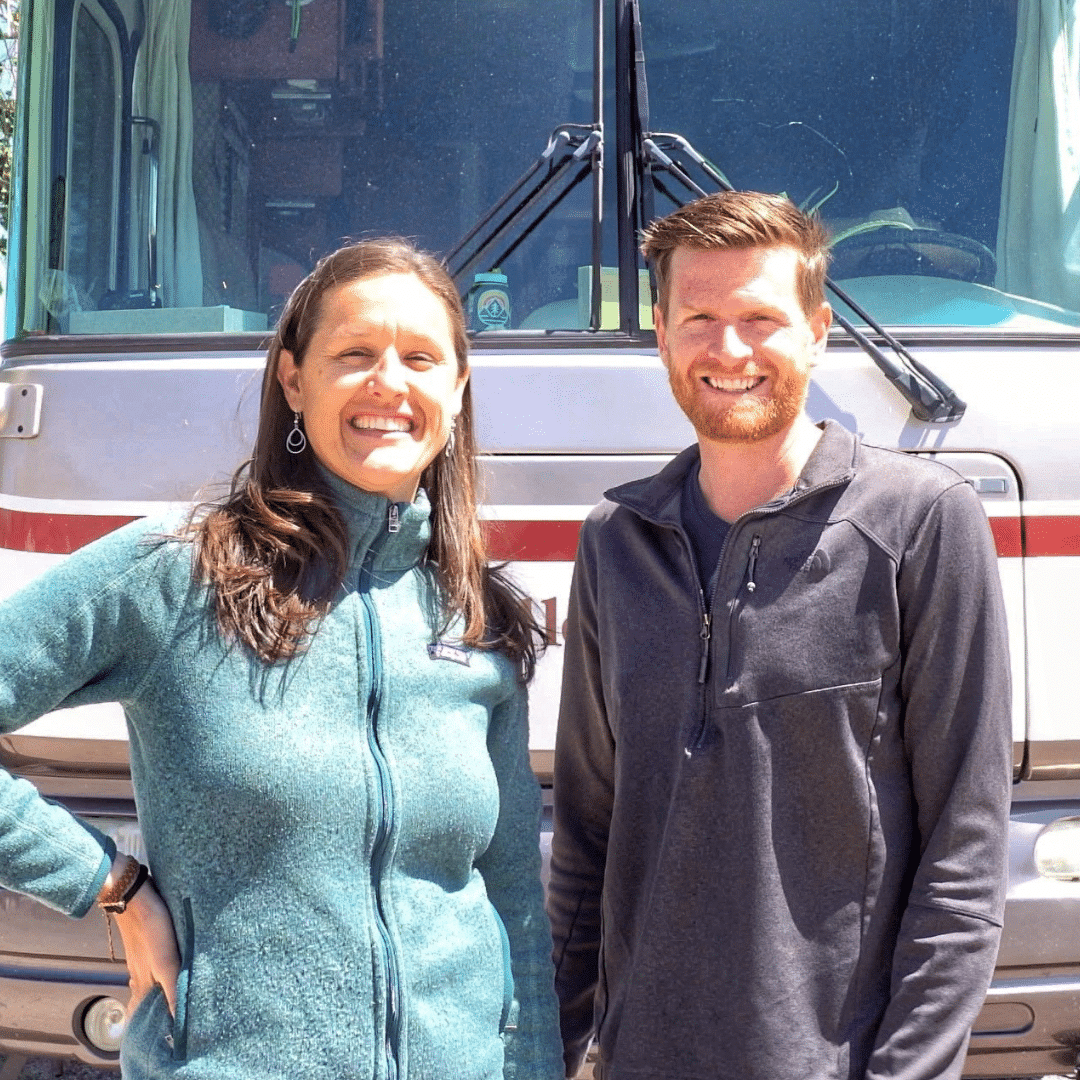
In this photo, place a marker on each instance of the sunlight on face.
(379, 387)
(736, 342)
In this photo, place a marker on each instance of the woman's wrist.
(126, 877)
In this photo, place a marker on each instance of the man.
(783, 764)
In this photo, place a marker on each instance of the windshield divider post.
(628, 153)
(596, 291)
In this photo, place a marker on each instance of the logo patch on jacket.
(816, 565)
(440, 650)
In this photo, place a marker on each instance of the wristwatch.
(116, 900)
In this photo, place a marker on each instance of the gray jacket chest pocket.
(814, 607)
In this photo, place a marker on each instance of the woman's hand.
(146, 928)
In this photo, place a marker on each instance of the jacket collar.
(368, 520)
(659, 498)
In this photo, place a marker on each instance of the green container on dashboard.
(489, 302)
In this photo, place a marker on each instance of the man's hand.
(150, 947)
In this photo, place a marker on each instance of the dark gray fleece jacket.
(781, 811)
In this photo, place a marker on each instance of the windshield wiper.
(573, 152)
(931, 398)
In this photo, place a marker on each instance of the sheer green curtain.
(162, 92)
(1039, 235)
(40, 285)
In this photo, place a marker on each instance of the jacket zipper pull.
(393, 520)
(751, 585)
(704, 634)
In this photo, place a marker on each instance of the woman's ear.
(288, 375)
(459, 391)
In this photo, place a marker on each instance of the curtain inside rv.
(1039, 236)
(40, 286)
(162, 93)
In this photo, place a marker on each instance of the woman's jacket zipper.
(384, 824)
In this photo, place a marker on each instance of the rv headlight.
(1057, 850)
(103, 1024)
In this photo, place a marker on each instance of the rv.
(179, 165)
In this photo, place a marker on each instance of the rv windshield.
(937, 137)
(187, 161)
(183, 163)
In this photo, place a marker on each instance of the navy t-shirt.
(706, 530)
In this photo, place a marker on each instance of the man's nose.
(731, 346)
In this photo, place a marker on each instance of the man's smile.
(733, 385)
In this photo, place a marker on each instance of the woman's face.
(379, 387)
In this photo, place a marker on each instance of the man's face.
(736, 342)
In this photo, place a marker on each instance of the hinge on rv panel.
(990, 485)
(20, 410)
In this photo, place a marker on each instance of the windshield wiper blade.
(931, 399)
(571, 154)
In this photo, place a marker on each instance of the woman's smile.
(379, 386)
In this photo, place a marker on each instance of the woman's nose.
(389, 376)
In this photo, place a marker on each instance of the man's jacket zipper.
(749, 585)
(706, 607)
(384, 825)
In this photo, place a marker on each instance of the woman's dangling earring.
(449, 447)
(296, 440)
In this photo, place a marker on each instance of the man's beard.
(745, 419)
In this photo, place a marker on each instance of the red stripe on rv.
(1007, 536)
(54, 534)
(533, 541)
(529, 541)
(1052, 535)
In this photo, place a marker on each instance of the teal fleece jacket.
(348, 843)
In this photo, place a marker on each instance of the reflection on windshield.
(910, 126)
(188, 186)
(272, 142)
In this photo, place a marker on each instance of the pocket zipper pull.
(751, 585)
(393, 520)
(705, 633)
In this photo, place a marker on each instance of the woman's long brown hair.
(275, 550)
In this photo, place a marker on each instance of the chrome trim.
(1051, 1038)
(1052, 759)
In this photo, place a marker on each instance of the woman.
(324, 685)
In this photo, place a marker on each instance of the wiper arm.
(930, 397)
(573, 151)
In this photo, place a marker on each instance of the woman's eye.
(422, 360)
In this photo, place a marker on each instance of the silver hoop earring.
(296, 440)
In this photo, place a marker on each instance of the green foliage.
(9, 55)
